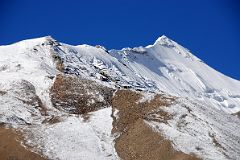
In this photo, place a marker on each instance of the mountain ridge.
(54, 93)
(169, 63)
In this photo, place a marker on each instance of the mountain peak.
(165, 41)
(38, 40)
(163, 37)
(29, 43)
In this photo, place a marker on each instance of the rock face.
(11, 148)
(83, 102)
(79, 96)
(134, 132)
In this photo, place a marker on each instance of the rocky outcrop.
(11, 147)
(79, 96)
(136, 140)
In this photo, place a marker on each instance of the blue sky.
(209, 28)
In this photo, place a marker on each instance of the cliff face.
(85, 102)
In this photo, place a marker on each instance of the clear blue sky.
(209, 28)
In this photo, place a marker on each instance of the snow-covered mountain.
(67, 101)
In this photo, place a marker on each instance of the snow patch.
(75, 138)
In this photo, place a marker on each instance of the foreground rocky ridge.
(89, 103)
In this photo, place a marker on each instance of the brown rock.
(137, 141)
(11, 148)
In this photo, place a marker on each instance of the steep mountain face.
(87, 102)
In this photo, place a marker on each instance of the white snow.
(76, 138)
(173, 69)
(15, 112)
(19, 61)
(193, 127)
(146, 97)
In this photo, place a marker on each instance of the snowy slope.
(201, 130)
(164, 66)
(175, 70)
(28, 70)
(21, 61)
(76, 139)
(24, 75)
